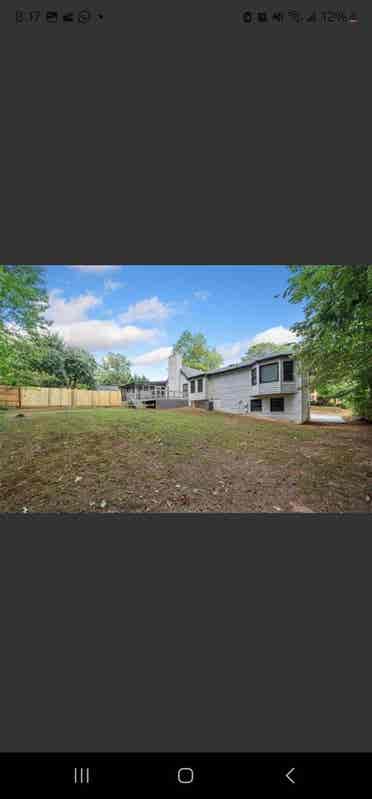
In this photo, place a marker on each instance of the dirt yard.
(123, 460)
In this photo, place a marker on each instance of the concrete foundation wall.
(169, 403)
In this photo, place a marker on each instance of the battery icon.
(51, 16)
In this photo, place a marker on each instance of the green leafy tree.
(328, 393)
(80, 368)
(195, 352)
(33, 360)
(23, 301)
(336, 333)
(23, 297)
(114, 370)
(263, 348)
(47, 357)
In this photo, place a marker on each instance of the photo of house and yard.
(185, 389)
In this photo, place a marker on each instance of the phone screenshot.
(185, 421)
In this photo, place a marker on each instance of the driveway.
(327, 418)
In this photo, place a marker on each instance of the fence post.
(19, 398)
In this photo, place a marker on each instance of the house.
(271, 385)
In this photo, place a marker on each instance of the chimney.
(174, 374)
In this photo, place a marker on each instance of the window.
(288, 371)
(192, 387)
(185, 388)
(256, 405)
(200, 385)
(269, 373)
(254, 377)
(277, 404)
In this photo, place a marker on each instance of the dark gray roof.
(145, 383)
(107, 388)
(189, 372)
(267, 356)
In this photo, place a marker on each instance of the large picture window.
(269, 373)
(288, 371)
(200, 385)
(277, 404)
(256, 405)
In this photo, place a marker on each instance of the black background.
(186, 633)
(173, 133)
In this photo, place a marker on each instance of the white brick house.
(271, 386)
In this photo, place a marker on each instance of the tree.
(29, 353)
(23, 298)
(32, 360)
(336, 333)
(114, 370)
(44, 360)
(195, 352)
(80, 368)
(46, 356)
(263, 348)
(328, 393)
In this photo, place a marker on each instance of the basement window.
(192, 387)
(269, 373)
(200, 385)
(287, 371)
(256, 405)
(277, 404)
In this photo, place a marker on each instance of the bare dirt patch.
(182, 460)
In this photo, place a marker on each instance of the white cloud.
(159, 372)
(146, 310)
(155, 356)
(233, 352)
(99, 334)
(112, 285)
(99, 268)
(63, 311)
(202, 296)
(70, 320)
(276, 335)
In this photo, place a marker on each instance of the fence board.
(9, 396)
(32, 397)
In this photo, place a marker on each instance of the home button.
(185, 776)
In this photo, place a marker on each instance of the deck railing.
(152, 394)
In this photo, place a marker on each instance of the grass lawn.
(124, 460)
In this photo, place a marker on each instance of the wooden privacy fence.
(58, 398)
(9, 397)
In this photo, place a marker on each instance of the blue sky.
(141, 311)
